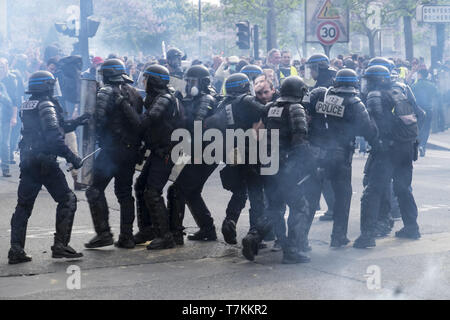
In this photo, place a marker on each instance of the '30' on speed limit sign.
(328, 32)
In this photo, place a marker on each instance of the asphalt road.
(404, 269)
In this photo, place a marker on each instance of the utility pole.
(86, 10)
(4, 27)
(199, 29)
(271, 26)
(256, 41)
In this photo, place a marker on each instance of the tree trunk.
(271, 26)
(409, 48)
(371, 37)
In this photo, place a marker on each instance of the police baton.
(304, 180)
(85, 158)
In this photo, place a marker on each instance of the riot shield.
(178, 84)
(87, 104)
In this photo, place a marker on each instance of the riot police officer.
(286, 115)
(162, 116)
(391, 156)
(252, 71)
(385, 221)
(318, 68)
(337, 117)
(242, 111)
(117, 128)
(198, 104)
(42, 141)
(174, 56)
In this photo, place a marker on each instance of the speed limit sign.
(328, 33)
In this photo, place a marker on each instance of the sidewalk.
(439, 141)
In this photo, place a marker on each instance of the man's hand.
(13, 122)
(76, 161)
(84, 119)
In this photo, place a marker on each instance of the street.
(402, 269)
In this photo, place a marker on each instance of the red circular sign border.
(338, 31)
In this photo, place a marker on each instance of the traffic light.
(243, 34)
(65, 30)
(92, 27)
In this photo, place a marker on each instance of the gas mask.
(192, 87)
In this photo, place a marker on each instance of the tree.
(361, 14)
(405, 9)
(263, 12)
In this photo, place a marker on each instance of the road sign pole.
(327, 49)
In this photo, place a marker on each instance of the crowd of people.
(320, 107)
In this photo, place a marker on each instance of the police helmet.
(41, 82)
(237, 83)
(252, 71)
(174, 53)
(378, 76)
(157, 77)
(346, 78)
(319, 60)
(114, 71)
(197, 76)
(380, 61)
(293, 89)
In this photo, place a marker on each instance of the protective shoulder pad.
(108, 90)
(46, 104)
(167, 96)
(374, 94)
(208, 99)
(354, 100)
(297, 117)
(317, 94)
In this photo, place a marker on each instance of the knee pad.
(152, 194)
(72, 201)
(93, 194)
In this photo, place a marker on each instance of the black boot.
(100, 214)
(159, 215)
(294, 256)
(250, 245)
(126, 239)
(176, 209)
(364, 241)
(165, 242)
(339, 241)
(408, 233)
(65, 213)
(17, 255)
(144, 235)
(100, 240)
(229, 231)
(205, 234)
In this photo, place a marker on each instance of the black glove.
(83, 119)
(75, 160)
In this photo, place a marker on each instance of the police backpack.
(405, 128)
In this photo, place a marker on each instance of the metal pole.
(83, 37)
(199, 28)
(256, 41)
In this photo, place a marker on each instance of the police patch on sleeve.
(229, 111)
(331, 107)
(275, 112)
(29, 105)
